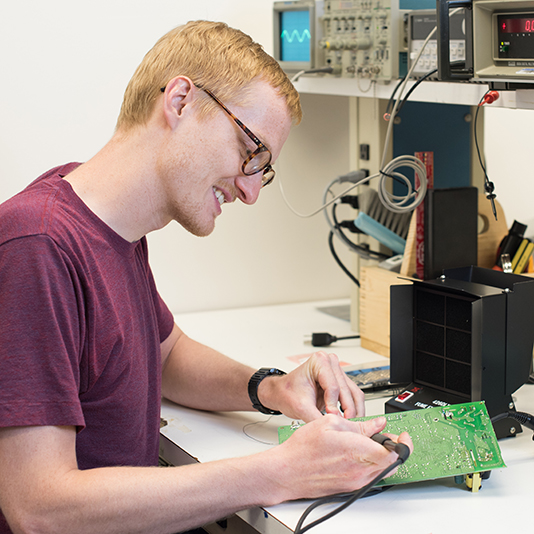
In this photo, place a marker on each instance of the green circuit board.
(448, 441)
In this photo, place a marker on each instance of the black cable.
(323, 339)
(416, 84)
(389, 106)
(338, 261)
(363, 251)
(521, 417)
(414, 87)
(395, 178)
(476, 138)
(488, 185)
(348, 498)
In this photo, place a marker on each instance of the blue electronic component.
(295, 35)
(373, 228)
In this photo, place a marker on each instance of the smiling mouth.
(220, 195)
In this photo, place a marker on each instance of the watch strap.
(253, 384)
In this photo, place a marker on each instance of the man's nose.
(249, 187)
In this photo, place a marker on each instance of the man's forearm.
(41, 489)
(197, 376)
(133, 499)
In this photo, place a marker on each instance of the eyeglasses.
(260, 159)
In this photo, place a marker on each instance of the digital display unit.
(295, 33)
(516, 36)
(510, 24)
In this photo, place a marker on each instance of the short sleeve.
(40, 335)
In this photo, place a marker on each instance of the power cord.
(348, 498)
(362, 250)
(338, 260)
(355, 177)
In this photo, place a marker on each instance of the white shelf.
(438, 92)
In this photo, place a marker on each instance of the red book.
(428, 159)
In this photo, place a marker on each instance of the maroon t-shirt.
(81, 324)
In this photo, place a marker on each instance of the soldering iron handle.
(403, 451)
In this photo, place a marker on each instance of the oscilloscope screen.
(295, 35)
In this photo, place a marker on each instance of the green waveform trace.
(295, 35)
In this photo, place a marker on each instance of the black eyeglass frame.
(268, 171)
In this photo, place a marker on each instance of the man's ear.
(178, 94)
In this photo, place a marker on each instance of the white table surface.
(274, 336)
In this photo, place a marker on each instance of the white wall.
(64, 67)
(509, 150)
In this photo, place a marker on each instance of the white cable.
(399, 206)
(412, 199)
(371, 84)
(401, 90)
(325, 203)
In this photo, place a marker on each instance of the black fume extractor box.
(465, 336)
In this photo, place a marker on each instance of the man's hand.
(333, 455)
(318, 385)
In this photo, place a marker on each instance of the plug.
(350, 226)
(354, 177)
(352, 200)
(322, 339)
(490, 97)
(524, 418)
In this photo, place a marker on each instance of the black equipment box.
(465, 336)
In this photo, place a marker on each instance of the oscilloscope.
(353, 38)
(297, 31)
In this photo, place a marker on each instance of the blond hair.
(214, 56)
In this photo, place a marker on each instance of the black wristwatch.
(253, 384)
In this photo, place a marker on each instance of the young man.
(87, 346)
